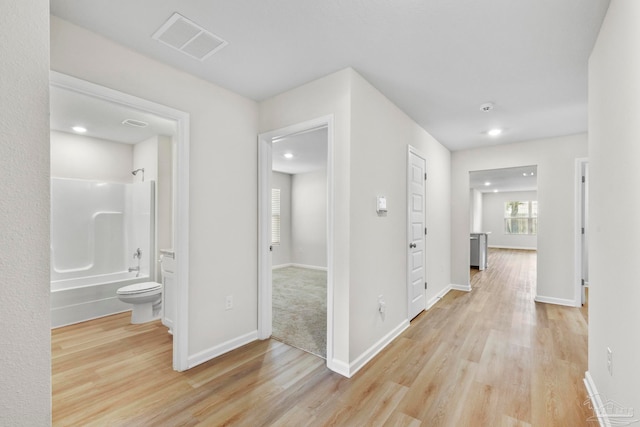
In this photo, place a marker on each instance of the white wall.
(85, 157)
(25, 352)
(281, 254)
(380, 135)
(555, 158)
(223, 129)
(475, 207)
(493, 220)
(614, 150)
(309, 219)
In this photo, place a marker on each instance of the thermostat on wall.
(381, 205)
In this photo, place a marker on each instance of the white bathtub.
(85, 298)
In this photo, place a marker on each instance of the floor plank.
(490, 357)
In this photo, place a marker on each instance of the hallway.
(491, 357)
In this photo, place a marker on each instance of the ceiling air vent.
(189, 38)
(135, 123)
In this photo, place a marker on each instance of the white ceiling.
(103, 119)
(523, 178)
(309, 150)
(438, 60)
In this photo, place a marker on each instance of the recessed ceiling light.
(288, 156)
(495, 191)
(487, 183)
(524, 174)
(79, 129)
(494, 132)
(531, 173)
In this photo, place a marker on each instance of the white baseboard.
(464, 288)
(521, 248)
(225, 347)
(309, 267)
(596, 401)
(370, 353)
(276, 267)
(438, 297)
(339, 367)
(556, 301)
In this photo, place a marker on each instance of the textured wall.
(614, 133)
(25, 359)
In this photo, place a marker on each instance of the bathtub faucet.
(136, 269)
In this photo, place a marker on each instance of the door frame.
(265, 295)
(412, 150)
(180, 196)
(577, 252)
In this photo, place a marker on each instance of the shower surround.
(96, 228)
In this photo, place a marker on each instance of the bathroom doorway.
(295, 236)
(108, 142)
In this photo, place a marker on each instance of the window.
(521, 217)
(275, 216)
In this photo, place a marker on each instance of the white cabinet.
(167, 267)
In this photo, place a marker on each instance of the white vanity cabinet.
(167, 267)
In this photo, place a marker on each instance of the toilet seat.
(138, 288)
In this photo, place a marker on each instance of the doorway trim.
(180, 199)
(265, 295)
(577, 251)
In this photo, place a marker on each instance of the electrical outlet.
(610, 361)
(228, 304)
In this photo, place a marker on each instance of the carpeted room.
(298, 240)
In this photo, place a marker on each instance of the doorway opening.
(503, 214)
(163, 154)
(295, 236)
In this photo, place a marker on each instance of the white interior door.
(416, 177)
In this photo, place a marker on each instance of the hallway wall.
(25, 352)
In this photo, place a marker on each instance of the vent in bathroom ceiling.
(189, 38)
(135, 123)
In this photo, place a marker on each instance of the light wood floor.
(491, 357)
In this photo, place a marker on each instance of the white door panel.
(416, 233)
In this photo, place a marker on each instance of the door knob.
(412, 245)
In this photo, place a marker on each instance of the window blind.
(275, 216)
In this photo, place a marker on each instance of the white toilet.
(146, 298)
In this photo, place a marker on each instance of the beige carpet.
(300, 308)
